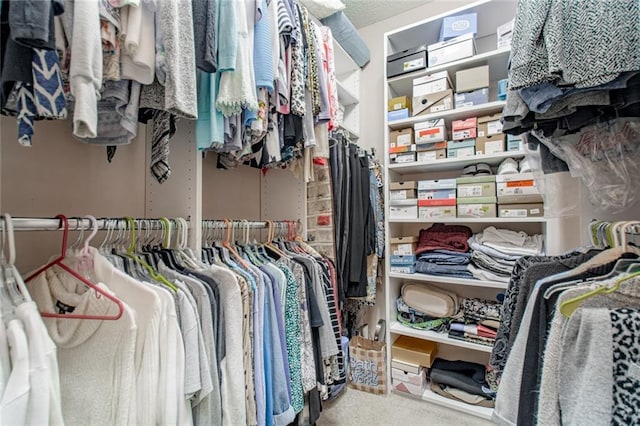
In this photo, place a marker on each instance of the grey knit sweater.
(579, 42)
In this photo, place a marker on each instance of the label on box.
(427, 156)
(445, 105)
(414, 64)
(478, 210)
(493, 147)
(436, 212)
(462, 152)
(515, 212)
(464, 134)
(403, 269)
(403, 250)
(403, 140)
(494, 127)
(470, 191)
(399, 105)
(399, 195)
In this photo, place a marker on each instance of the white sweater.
(148, 308)
(15, 400)
(44, 402)
(96, 358)
(138, 60)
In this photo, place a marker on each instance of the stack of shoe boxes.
(437, 199)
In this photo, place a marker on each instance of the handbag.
(431, 301)
(367, 365)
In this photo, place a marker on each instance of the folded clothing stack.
(426, 308)
(413, 318)
(479, 322)
(462, 381)
(495, 251)
(444, 250)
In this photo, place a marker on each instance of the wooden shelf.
(453, 163)
(449, 280)
(397, 328)
(475, 220)
(434, 398)
(451, 115)
(345, 96)
(496, 59)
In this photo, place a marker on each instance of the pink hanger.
(79, 277)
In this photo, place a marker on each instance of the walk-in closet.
(319, 212)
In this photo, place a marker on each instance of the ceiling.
(367, 12)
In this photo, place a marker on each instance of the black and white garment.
(625, 333)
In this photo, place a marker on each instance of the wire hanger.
(59, 262)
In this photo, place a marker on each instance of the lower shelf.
(434, 398)
(398, 328)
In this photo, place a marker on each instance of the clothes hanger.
(269, 244)
(7, 304)
(59, 262)
(568, 307)
(130, 253)
(229, 247)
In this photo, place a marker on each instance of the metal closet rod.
(254, 224)
(78, 223)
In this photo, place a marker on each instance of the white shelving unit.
(558, 233)
(348, 82)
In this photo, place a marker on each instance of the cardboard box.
(401, 102)
(520, 199)
(407, 202)
(437, 213)
(409, 269)
(405, 157)
(398, 114)
(504, 34)
(476, 186)
(451, 50)
(401, 149)
(464, 129)
(403, 212)
(437, 202)
(474, 98)
(478, 200)
(433, 102)
(411, 383)
(409, 184)
(521, 210)
(477, 210)
(402, 137)
(414, 351)
(438, 154)
(455, 26)
(472, 79)
(489, 125)
(437, 194)
(430, 131)
(514, 143)
(403, 249)
(459, 149)
(402, 260)
(424, 185)
(517, 185)
(490, 144)
(406, 366)
(432, 146)
(432, 83)
(407, 61)
(404, 245)
(503, 88)
(403, 194)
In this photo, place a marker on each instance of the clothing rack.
(83, 224)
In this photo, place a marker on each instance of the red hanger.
(75, 274)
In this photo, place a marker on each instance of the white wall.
(372, 83)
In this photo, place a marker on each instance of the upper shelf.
(497, 60)
(451, 115)
(491, 14)
(452, 163)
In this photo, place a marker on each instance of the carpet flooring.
(355, 408)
